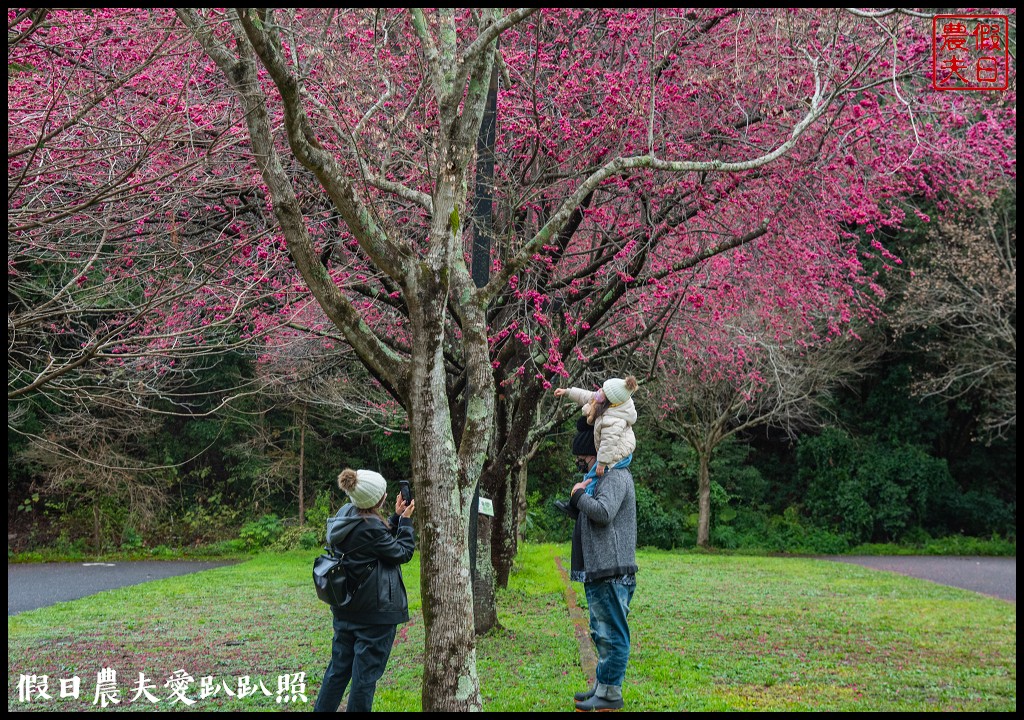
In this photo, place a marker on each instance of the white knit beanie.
(615, 391)
(368, 490)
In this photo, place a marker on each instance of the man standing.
(604, 560)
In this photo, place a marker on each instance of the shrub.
(960, 545)
(543, 523)
(866, 489)
(218, 549)
(131, 539)
(211, 519)
(971, 513)
(785, 533)
(726, 537)
(317, 515)
(655, 526)
(298, 538)
(261, 533)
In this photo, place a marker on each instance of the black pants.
(359, 654)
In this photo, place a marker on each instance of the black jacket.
(373, 558)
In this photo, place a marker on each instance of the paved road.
(36, 585)
(995, 576)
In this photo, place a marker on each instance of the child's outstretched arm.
(577, 395)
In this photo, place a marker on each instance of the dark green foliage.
(917, 468)
(316, 516)
(972, 513)
(666, 466)
(737, 478)
(984, 500)
(774, 456)
(790, 534)
(392, 453)
(543, 522)
(868, 490)
(211, 519)
(755, 531)
(656, 526)
(261, 533)
(884, 408)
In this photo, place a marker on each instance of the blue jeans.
(609, 608)
(359, 654)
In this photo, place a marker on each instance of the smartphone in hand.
(406, 489)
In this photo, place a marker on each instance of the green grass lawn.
(710, 633)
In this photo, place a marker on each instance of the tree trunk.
(520, 504)
(506, 536)
(97, 538)
(704, 497)
(509, 510)
(450, 682)
(504, 478)
(485, 612)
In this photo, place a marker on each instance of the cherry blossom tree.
(135, 252)
(647, 164)
(711, 84)
(784, 383)
(598, 176)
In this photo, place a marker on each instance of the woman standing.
(364, 629)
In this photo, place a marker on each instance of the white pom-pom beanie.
(615, 391)
(369, 489)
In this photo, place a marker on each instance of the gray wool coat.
(604, 539)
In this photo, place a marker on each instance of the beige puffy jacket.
(613, 430)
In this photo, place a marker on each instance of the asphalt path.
(995, 576)
(36, 585)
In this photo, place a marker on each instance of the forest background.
(248, 248)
